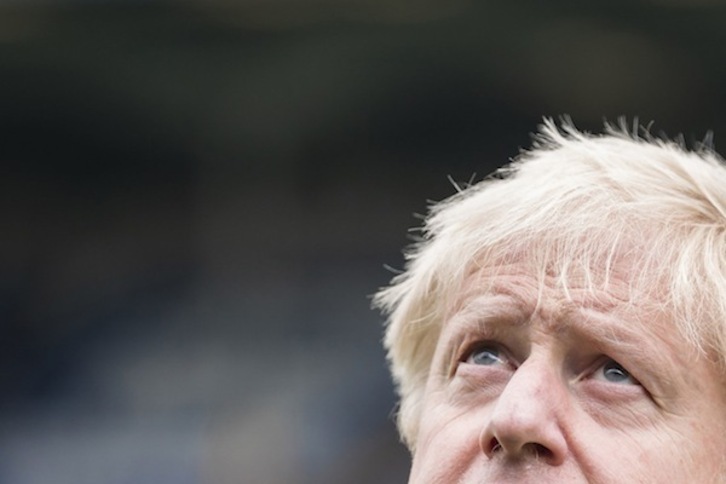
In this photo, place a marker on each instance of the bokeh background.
(199, 197)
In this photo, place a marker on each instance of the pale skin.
(576, 388)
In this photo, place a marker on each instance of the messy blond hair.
(571, 204)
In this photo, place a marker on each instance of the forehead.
(510, 297)
(536, 286)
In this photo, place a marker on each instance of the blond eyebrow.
(508, 306)
(630, 342)
(614, 333)
(480, 313)
(574, 316)
(484, 316)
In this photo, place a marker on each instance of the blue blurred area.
(198, 199)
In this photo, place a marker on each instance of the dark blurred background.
(199, 197)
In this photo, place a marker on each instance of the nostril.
(541, 452)
(494, 446)
(532, 449)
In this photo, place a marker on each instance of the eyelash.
(617, 367)
(501, 356)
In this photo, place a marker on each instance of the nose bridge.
(527, 416)
(532, 391)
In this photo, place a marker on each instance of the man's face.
(585, 389)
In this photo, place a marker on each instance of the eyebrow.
(618, 337)
(631, 342)
(486, 316)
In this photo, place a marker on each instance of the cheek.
(693, 442)
(698, 450)
(447, 447)
(648, 456)
(677, 464)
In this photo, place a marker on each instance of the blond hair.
(571, 204)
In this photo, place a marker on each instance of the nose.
(528, 416)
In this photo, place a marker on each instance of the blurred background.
(199, 197)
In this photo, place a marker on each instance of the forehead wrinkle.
(532, 292)
(563, 313)
(609, 318)
(481, 290)
(597, 325)
(517, 303)
(480, 311)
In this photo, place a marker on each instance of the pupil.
(615, 372)
(486, 356)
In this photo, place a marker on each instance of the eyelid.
(469, 347)
(603, 363)
(468, 350)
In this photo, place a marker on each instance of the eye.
(487, 355)
(612, 372)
